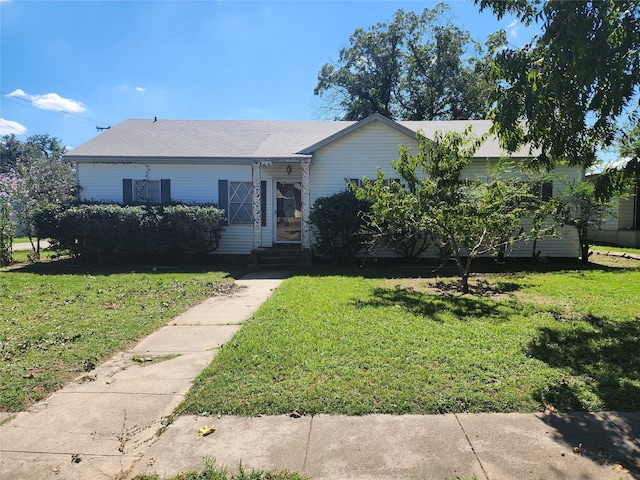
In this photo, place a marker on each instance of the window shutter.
(263, 201)
(127, 191)
(223, 197)
(165, 190)
(547, 191)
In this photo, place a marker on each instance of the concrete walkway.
(105, 425)
(27, 245)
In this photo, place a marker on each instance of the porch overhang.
(256, 203)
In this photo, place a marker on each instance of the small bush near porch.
(353, 344)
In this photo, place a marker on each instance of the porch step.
(282, 256)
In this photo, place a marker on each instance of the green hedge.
(117, 234)
(337, 224)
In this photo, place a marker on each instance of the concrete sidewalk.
(462, 446)
(105, 425)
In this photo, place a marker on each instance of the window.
(543, 190)
(235, 198)
(146, 191)
(240, 196)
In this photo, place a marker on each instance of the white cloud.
(51, 101)
(513, 28)
(140, 89)
(7, 127)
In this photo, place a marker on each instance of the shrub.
(111, 233)
(337, 224)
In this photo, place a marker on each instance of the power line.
(18, 132)
(29, 104)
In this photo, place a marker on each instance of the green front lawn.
(57, 322)
(352, 345)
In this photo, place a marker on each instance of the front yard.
(343, 343)
(57, 322)
(353, 341)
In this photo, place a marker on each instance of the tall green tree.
(629, 141)
(11, 151)
(629, 147)
(565, 92)
(417, 67)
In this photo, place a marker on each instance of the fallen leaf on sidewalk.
(621, 469)
(295, 414)
(206, 430)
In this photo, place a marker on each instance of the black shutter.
(547, 191)
(223, 198)
(127, 191)
(165, 190)
(263, 201)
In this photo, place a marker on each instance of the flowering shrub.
(8, 187)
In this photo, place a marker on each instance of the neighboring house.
(623, 229)
(265, 174)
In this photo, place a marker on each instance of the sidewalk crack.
(306, 451)
(475, 454)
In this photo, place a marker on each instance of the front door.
(288, 212)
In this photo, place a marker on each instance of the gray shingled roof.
(238, 139)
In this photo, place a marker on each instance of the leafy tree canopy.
(565, 92)
(44, 179)
(465, 218)
(14, 152)
(418, 67)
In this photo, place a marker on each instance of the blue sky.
(70, 66)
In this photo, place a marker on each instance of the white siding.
(196, 182)
(375, 146)
(610, 222)
(626, 211)
(357, 155)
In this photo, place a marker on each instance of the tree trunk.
(584, 245)
(465, 283)
(463, 271)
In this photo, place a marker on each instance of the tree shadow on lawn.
(600, 358)
(603, 358)
(422, 304)
(603, 373)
